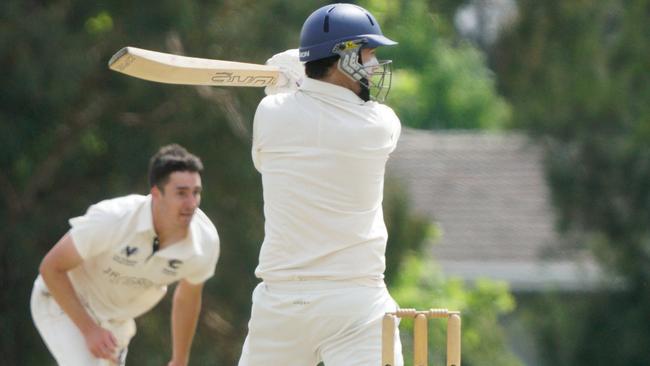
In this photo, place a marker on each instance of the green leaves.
(421, 284)
(577, 75)
(99, 24)
(439, 81)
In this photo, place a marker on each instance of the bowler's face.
(180, 197)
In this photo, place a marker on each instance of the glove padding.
(292, 72)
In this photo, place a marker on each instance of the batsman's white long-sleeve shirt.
(322, 153)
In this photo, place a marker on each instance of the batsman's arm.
(186, 308)
(292, 72)
(54, 268)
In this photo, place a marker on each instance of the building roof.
(488, 195)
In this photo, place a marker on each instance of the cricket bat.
(175, 69)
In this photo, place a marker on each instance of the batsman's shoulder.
(383, 108)
(274, 104)
(276, 100)
(386, 113)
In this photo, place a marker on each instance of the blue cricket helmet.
(332, 24)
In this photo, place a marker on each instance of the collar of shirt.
(184, 249)
(144, 219)
(330, 90)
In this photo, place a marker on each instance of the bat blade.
(175, 69)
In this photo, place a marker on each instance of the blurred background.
(519, 193)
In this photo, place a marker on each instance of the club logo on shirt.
(172, 266)
(174, 263)
(125, 254)
(120, 279)
(128, 251)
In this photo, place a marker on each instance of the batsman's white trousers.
(301, 323)
(63, 338)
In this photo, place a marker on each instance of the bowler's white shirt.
(121, 277)
(322, 153)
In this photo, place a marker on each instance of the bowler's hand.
(292, 72)
(101, 343)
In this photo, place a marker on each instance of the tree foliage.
(577, 75)
(422, 285)
(440, 82)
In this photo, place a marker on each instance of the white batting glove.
(292, 72)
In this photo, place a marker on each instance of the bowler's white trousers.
(301, 323)
(63, 338)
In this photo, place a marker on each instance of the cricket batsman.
(321, 149)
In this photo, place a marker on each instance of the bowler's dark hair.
(169, 159)
(318, 69)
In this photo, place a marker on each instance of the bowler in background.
(116, 261)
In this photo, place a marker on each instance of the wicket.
(420, 335)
